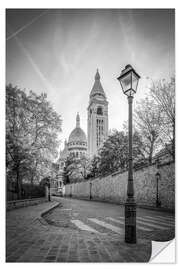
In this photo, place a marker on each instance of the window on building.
(99, 111)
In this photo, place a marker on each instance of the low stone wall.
(113, 187)
(22, 203)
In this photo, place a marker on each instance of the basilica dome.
(77, 143)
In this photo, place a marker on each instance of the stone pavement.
(29, 238)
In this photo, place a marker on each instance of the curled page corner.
(163, 252)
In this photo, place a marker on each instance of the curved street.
(82, 231)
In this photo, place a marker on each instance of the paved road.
(82, 231)
(106, 218)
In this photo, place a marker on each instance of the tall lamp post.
(129, 82)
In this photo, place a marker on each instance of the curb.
(17, 204)
(120, 203)
(50, 209)
(157, 209)
(41, 216)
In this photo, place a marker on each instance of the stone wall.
(23, 203)
(112, 188)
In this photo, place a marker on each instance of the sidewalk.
(29, 238)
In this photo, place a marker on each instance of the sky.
(58, 51)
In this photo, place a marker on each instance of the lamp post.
(158, 203)
(49, 189)
(90, 190)
(129, 82)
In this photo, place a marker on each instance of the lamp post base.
(130, 221)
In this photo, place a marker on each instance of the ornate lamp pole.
(129, 82)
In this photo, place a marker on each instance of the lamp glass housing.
(135, 80)
(126, 83)
(129, 80)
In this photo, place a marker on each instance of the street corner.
(125, 252)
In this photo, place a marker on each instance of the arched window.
(99, 111)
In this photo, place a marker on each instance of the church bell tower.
(97, 117)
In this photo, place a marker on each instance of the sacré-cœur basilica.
(79, 144)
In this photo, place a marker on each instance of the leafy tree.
(17, 156)
(76, 169)
(94, 166)
(44, 126)
(84, 163)
(72, 168)
(45, 181)
(32, 128)
(114, 152)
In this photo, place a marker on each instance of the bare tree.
(148, 122)
(163, 93)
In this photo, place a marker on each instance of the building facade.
(97, 120)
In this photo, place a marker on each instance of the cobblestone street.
(81, 231)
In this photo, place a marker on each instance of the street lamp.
(158, 203)
(129, 82)
(90, 190)
(49, 189)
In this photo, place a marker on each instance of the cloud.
(44, 80)
(73, 47)
(26, 25)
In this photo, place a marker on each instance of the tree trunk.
(151, 152)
